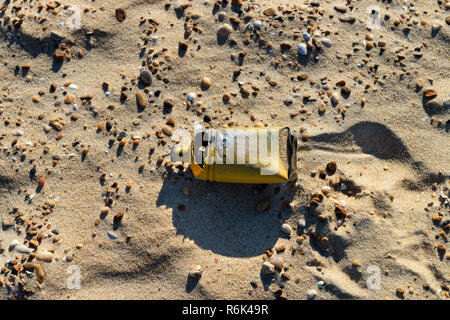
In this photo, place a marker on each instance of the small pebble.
(37, 268)
(267, 268)
(44, 256)
(302, 49)
(8, 222)
(286, 228)
(59, 55)
(322, 108)
(146, 77)
(429, 94)
(196, 271)
(302, 223)
(41, 181)
(183, 46)
(326, 189)
(13, 244)
(119, 216)
(326, 42)
(277, 261)
(121, 14)
(17, 133)
(435, 27)
(311, 294)
(340, 8)
(224, 31)
(269, 12)
(433, 104)
(335, 98)
(191, 96)
(169, 103)
(141, 99)
(206, 83)
(23, 249)
(69, 99)
(420, 83)
(68, 258)
(167, 131)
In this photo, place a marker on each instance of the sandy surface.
(389, 142)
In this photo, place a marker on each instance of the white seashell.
(17, 133)
(326, 189)
(191, 96)
(301, 47)
(13, 243)
(267, 268)
(112, 236)
(286, 228)
(302, 223)
(326, 42)
(311, 294)
(23, 249)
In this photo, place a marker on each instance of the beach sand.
(86, 180)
